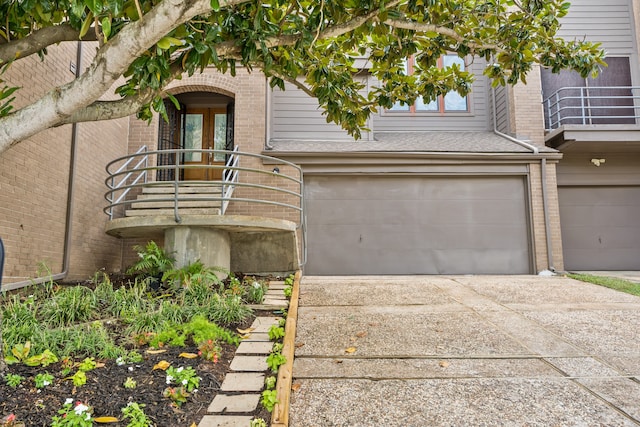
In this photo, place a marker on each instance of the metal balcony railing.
(128, 176)
(592, 106)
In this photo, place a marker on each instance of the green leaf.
(215, 5)
(86, 24)
(106, 27)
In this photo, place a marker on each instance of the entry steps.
(193, 199)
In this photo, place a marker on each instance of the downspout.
(543, 179)
(267, 114)
(66, 250)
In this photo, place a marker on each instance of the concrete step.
(169, 212)
(183, 189)
(155, 196)
(181, 204)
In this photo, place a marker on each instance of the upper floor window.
(451, 102)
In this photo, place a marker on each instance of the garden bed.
(97, 348)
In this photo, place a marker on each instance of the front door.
(204, 129)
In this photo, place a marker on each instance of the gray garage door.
(417, 225)
(600, 227)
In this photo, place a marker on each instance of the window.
(451, 102)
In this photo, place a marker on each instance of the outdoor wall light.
(276, 170)
(598, 162)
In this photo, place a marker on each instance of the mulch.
(106, 394)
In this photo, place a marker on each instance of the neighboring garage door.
(417, 225)
(600, 227)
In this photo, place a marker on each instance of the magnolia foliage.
(311, 43)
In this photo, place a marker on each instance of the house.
(497, 182)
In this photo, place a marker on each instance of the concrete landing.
(251, 244)
(465, 351)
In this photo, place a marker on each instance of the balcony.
(593, 116)
(244, 214)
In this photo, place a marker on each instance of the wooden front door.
(204, 128)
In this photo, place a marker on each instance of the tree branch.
(38, 40)
(423, 27)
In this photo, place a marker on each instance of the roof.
(447, 142)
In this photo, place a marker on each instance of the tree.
(312, 44)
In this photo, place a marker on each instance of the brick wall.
(539, 230)
(34, 180)
(526, 115)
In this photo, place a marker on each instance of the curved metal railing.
(129, 175)
(592, 105)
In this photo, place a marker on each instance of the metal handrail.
(580, 104)
(230, 178)
(129, 173)
(120, 185)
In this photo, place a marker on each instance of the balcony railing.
(128, 176)
(592, 106)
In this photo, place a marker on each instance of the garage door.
(600, 227)
(417, 225)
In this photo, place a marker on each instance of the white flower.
(81, 409)
(45, 383)
(69, 401)
(130, 368)
(119, 361)
(87, 417)
(184, 382)
(169, 379)
(179, 369)
(256, 285)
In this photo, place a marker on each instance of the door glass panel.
(220, 136)
(193, 132)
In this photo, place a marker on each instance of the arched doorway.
(204, 121)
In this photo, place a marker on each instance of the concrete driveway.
(465, 351)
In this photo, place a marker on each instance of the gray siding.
(618, 169)
(477, 119)
(296, 115)
(609, 22)
(502, 109)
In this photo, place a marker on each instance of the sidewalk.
(465, 351)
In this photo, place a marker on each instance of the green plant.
(276, 332)
(274, 360)
(228, 309)
(13, 380)
(270, 382)
(136, 416)
(195, 273)
(46, 358)
(130, 383)
(43, 379)
(20, 353)
(88, 364)
(288, 281)
(131, 357)
(258, 422)
(79, 378)
(202, 329)
(255, 292)
(154, 261)
(184, 377)
(78, 415)
(69, 305)
(269, 399)
(209, 350)
(178, 395)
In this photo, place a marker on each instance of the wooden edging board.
(280, 414)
